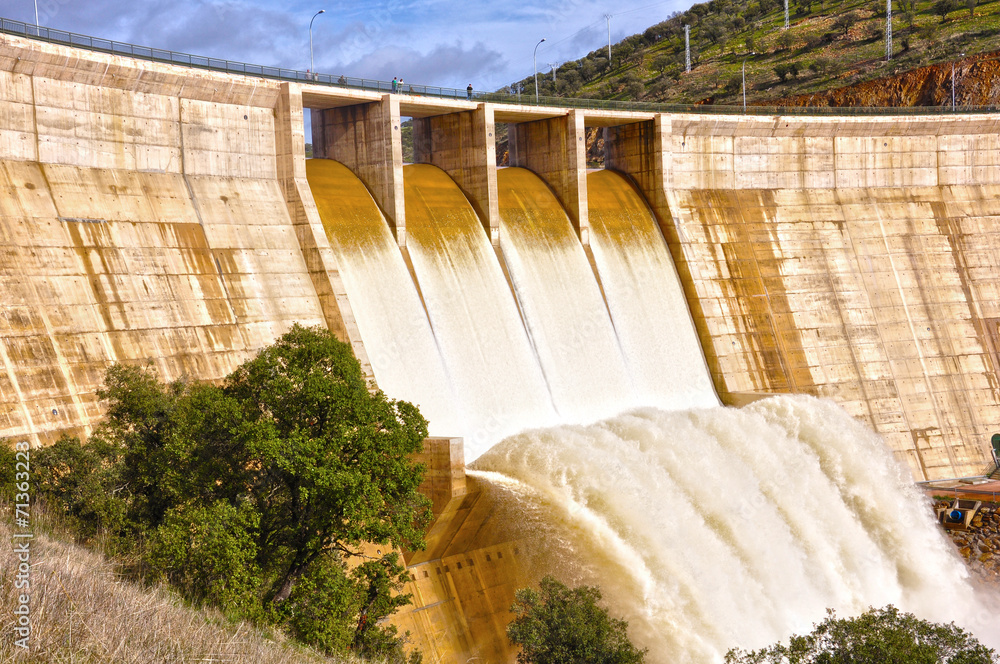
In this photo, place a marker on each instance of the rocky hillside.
(980, 545)
(977, 83)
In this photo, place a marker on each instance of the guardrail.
(958, 493)
(101, 45)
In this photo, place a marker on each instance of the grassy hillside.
(828, 45)
(82, 612)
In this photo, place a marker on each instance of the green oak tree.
(328, 461)
(236, 493)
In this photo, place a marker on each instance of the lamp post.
(36, 16)
(745, 80)
(953, 82)
(534, 62)
(312, 65)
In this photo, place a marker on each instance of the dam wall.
(160, 213)
(853, 258)
(144, 218)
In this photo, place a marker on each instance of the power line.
(591, 26)
(598, 22)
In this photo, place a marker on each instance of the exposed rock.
(977, 83)
(980, 545)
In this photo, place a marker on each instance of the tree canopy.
(560, 625)
(238, 493)
(878, 636)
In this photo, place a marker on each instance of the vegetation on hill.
(281, 496)
(829, 44)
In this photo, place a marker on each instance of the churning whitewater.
(719, 527)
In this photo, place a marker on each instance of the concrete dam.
(572, 331)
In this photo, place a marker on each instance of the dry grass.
(81, 612)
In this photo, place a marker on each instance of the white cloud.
(437, 42)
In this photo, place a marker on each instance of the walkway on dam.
(102, 45)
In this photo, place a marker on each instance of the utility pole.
(608, 17)
(953, 82)
(553, 66)
(786, 14)
(687, 48)
(751, 53)
(888, 30)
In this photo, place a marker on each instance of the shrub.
(85, 483)
(844, 22)
(878, 636)
(819, 65)
(323, 607)
(559, 625)
(209, 554)
(944, 7)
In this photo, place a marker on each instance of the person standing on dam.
(468, 92)
(395, 84)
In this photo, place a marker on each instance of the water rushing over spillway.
(385, 303)
(475, 318)
(721, 527)
(488, 345)
(561, 302)
(645, 297)
(579, 385)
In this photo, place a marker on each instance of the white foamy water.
(384, 300)
(645, 296)
(714, 528)
(561, 302)
(486, 349)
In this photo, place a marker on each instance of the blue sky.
(436, 42)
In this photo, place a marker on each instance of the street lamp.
(312, 65)
(36, 16)
(953, 82)
(745, 80)
(535, 63)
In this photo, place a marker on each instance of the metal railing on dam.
(102, 45)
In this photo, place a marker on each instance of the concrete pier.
(556, 150)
